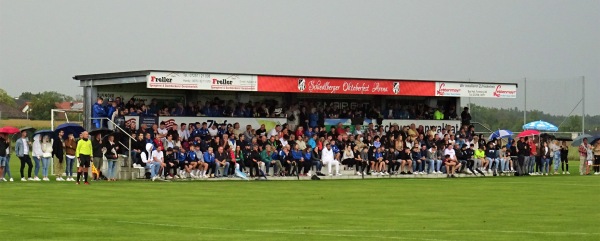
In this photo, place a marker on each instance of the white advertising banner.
(451, 89)
(427, 124)
(269, 123)
(201, 81)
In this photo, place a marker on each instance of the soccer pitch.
(501, 208)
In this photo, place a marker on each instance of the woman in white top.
(37, 153)
(46, 156)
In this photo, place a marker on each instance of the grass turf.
(505, 208)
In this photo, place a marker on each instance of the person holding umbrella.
(22, 150)
(583, 157)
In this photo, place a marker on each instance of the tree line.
(41, 103)
(512, 119)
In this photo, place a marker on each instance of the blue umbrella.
(540, 126)
(594, 139)
(70, 128)
(500, 134)
(577, 141)
(44, 133)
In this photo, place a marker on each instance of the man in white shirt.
(157, 163)
(183, 132)
(213, 131)
(274, 132)
(451, 152)
(327, 158)
(162, 130)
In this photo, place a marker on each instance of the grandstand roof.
(130, 77)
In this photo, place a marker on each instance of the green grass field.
(502, 208)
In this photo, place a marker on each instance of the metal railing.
(127, 162)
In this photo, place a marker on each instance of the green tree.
(42, 103)
(27, 96)
(6, 99)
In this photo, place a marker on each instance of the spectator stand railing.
(126, 171)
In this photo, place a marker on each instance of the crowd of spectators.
(302, 110)
(199, 151)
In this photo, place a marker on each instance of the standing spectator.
(58, 146)
(596, 150)
(46, 156)
(70, 146)
(313, 118)
(7, 161)
(98, 111)
(555, 154)
(4, 143)
(37, 156)
(583, 156)
(98, 155)
(22, 150)
(545, 156)
(112, 149)
(465, 117)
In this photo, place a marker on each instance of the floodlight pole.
(525, 111)
(583, 105)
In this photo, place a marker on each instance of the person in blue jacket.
(209, 158)
(98, 111)
(297, 156)
(313, 118)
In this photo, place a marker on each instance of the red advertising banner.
(344, 86)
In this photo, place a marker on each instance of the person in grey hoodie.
(37, 156)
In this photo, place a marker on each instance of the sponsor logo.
(221, 82)
(499, 92)
(161, 79)
(301, 84)
(443, 91)
(396, 88)
(131, 122)
(169, 123)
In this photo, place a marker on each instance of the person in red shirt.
(340, 129)
(300, 131)
(532, 156)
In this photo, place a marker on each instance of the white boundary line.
(319, 232)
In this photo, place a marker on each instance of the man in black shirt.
(171, 164)
(97, 156)
(222, 159)
(523, 156)
(4, 142)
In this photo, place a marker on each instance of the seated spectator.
(327, 158)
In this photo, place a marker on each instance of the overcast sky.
(43, 44)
